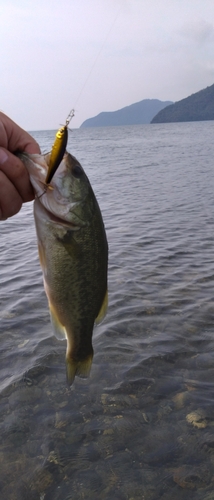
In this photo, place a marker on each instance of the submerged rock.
(197, 418)
(190, 477)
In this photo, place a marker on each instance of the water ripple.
(130, 430)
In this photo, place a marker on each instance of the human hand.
(15, 187)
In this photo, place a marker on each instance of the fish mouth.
(54, 218)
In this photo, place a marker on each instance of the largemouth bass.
(73, 253)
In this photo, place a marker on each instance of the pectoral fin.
(103, 309)
(70, 245)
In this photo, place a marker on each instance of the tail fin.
(80, 368)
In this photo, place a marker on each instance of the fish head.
(69, 195)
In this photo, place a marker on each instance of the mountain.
(196, 107)
(138, 113)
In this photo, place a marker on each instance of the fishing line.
(59, 146)
(98, 55)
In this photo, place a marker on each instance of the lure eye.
(77, 171)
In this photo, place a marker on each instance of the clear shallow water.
(142, 425)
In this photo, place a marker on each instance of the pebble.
(197, 418)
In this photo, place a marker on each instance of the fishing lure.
(58, 148)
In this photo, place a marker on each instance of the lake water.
(142, 426)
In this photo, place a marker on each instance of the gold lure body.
(58, 148)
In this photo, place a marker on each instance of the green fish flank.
(73, 252)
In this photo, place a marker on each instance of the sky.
(100, 55)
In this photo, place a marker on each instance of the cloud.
(97, 55)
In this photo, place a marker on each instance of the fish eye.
(77, 171)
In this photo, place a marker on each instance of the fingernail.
(3, 156)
